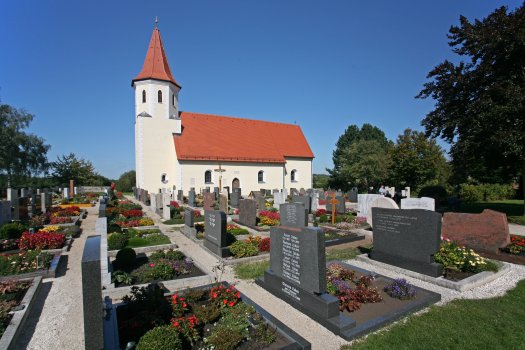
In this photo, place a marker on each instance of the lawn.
(496, 323)
(247, 271)
(513, 208)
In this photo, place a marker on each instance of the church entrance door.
(235, 183)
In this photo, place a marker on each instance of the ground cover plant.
(161, 265)
(493, 323)
(516, 246)
(42, 239)
(24, 262)
(133, 238)
(205, 318)
(11, 294)
(236, 230)
(250, 247)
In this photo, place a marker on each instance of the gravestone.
(485, 232)
(12, 196)
(46, 201)
(146, 197)
(407, 239)
(381, 202)
(247, 212)
(315, 202)
(65, 192)
(209, 201)
(158, 203)
(234, 199)
(206, 190)
(102, 210)
(215, 234)
(255, 194)
(302, 191)
(189, 223)
(294, 192)
(310, 192)
(275, 190)
(340, 207)
(352, 195)
(261, 203)
(153, 201)
(32, 209)
(5, 212)
(339, 193)
(216, 192)
(363, 203)
(297, 275)
(306, 200)
(278, 199)
(293, 215)
(180, 195)
(418, 203)
(23, 193)
(191, 198)
(237, 190)
(166, 210)
(223, 203)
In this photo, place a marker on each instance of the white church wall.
(303, 168)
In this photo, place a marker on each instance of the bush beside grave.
(486, 192)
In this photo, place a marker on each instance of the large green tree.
(69, 167)
(21, 153)
(418, 161)
(126, 181)
(339, 178)
(480, 101)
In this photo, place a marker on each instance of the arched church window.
(143, 96)
(164, 178)
(293, 175)
(160, 96)
(260, 176)
(207, 176)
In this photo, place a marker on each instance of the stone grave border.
(49, 273)
(298, 342)
(234, 261)
(256, 228)
(343, 240)
(466, 284)
(148, 249)
(16, 325)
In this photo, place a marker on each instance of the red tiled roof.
(213, 137)
(156, 64)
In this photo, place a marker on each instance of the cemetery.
(308, 227)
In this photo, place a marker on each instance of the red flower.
(238, 295)
(231, 303)
(152, 265)
(214, 295)
(225, 301)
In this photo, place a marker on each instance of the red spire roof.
(156, 64)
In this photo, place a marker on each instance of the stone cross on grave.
(220, 171)
(333, 201)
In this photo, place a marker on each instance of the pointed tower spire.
(156, 64)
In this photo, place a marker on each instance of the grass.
(154, 239)
(248, 271)
(495, 323)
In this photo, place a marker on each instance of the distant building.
(183, 149)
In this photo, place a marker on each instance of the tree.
(20, 153)
(480, 102)
(69, 167)
(320, 181)
(126, 181)
(365, 163)
(352, 135)
(418, 161)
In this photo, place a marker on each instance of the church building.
(181, 150)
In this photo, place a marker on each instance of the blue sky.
(321, 64)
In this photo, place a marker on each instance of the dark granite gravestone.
(255, 194)
(340, 207)
(247, 212)
(302, 191)
(146, 198)
(407, 238)
(5, 212)
(216, 192)
(158, 203)
(23, 204)
(261, 203)
(306, 200)
(12, 196)
(206, 190)
(293, 215)
(209, 201)
(102, 210)
(46, 201)
(191, 198)
(294, 192)
(92, 294)
(237, 190)
(297, 275)
(486, 232)
(223, 203)
(180, 195)
(215, 234)
(189, 223)
(234, 199)
(352, 195)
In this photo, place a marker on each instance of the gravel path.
(56, 321)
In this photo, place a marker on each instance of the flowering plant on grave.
(132, 213)
(264, 244)
(178, 305)
(517, 245)
(50, 229)
(254, 240)
(146, 222)
(60, 220)
(225, 297)
(25, 261)
(320, 212)
(186, 325)
(174, 204)
(455, 257)
(400, 289)
(41, 240)
(197, 213)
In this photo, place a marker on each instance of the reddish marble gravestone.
(209, 201)
(485, 232)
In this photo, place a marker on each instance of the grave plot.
(298, 274)
(343, 230)
(178, 214)
(83, 200)
(213, 316)
(261, 221)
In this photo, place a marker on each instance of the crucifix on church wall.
(220, 171)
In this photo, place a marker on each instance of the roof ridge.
(241, 118)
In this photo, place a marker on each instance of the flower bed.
(177, 216)
(516, 246)
(133, 238)
(133, 222)
(236, 230)
(269, 218)
(28, 262)
(211, 317)
(129, 269)
(42, 240)
(252, 246)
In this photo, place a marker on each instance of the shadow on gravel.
(62, 266)
(33, 317)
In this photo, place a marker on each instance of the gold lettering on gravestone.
(291, 258)
(393, 222)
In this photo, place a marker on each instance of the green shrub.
(323, 218)
(117, 241)
(162, 337)
(121, 278)
(12, 230)
(125, 258)
(242, 249)
(232, 328)
(439, 193)
(239, 231)
(486, 192)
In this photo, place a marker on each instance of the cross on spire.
(156, 22)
